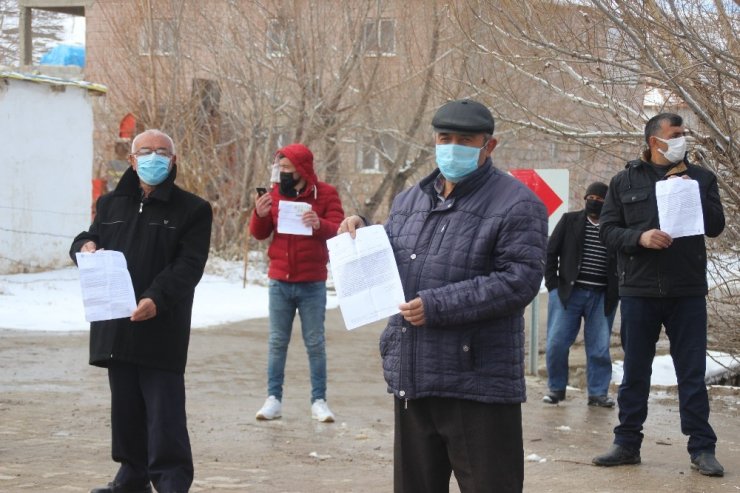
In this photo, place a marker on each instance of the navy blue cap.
(463, 116)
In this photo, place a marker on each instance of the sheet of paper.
(679, 207)
(365, 276)
(289, 218)
(107, 292)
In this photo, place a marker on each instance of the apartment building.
(357, 81)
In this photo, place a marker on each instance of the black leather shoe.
(617, 456)
(554, 396)
(114, 487)
(707, 464)
(600, 401)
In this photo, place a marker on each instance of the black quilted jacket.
(476, 260)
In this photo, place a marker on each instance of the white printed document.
(365, 276)
(679, 207)
(289, 218)
(107, 291)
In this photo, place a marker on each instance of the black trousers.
(481, 443)
(148, 424)
(685, 322)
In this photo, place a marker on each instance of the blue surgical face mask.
(152, 169)
(457, 161)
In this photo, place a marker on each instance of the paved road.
(54, 431)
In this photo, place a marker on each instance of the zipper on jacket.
(134, 227)
(405, 403)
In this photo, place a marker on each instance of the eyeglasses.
(159, 151)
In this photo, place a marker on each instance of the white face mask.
(676, 149)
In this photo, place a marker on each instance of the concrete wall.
(46, 154)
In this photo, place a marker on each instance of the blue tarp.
(63, 54)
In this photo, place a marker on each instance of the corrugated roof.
(53, 81)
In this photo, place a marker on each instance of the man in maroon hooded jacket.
(297, 273)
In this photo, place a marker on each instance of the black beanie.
(597, 188)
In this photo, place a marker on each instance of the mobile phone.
(261, 191)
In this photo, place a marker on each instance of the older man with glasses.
(164, 232)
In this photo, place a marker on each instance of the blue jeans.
(309, 298)
(563, 324)
(685, 321)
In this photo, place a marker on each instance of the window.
(277, 37)
(370, 155)
(379, 37)
(567, 152)
(207, 95)
(161, 39)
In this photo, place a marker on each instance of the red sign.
(535, 183)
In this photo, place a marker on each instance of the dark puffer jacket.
(631, 208)
(165, 240)
(297, 258)
(476, 260)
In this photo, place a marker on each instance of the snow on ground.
(665, 375)
(51, 301)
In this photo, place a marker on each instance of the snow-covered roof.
(53, 81)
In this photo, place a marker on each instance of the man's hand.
(89, 247)
(146, 310)
(655, 239)
(263, 205)
(350, 225)
(413, 311)
(310, 218)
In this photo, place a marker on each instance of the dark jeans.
(481, 443)
(148, 424)
(685, 321)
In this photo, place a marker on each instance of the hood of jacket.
(302, 158)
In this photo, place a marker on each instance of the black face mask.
(593, 207)
(287, 185)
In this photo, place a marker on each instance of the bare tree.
(412, 153)
(234, 80)
(601, 69)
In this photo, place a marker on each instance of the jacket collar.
(674, 169)
(310, 189)
(129, 185)
(464, 186)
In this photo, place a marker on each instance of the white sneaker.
(271, 409)
(320, 410)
